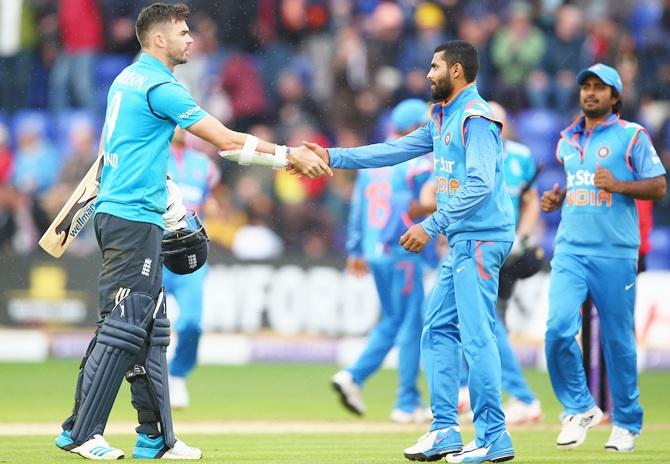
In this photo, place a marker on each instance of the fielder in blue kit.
(196, 175)
(144, 104)
(379, 214)
(608, 163)
(476, 215)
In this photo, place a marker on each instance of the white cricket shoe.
(499, 451)
(420, 415)
(147, 447)
(181, 450)
(621, 440)
(350, 393)
(517, 412)
(98, 449)
(575, 427)
(436, 444)
(178, 392)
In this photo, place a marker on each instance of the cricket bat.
(72, 218)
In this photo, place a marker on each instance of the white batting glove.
(174, 217)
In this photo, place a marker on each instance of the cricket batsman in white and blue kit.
(144, 104)
(476, 215)
(379, 214)
(608, 163)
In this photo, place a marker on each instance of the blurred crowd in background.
(328, 71)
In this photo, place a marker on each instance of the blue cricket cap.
(409, 113)
(605, 73)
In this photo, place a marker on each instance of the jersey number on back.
(378, 195)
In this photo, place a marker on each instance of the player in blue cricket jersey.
(195, 175)
(379, 214)
(144, 104)
(608, 163)
(524, 260)
(476, 215)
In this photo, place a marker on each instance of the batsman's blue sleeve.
(172, 101)
(414, 144)
(482, 141)
(355, 225)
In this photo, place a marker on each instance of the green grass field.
(41, 394)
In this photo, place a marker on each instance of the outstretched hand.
(304, 161)
(319, 150)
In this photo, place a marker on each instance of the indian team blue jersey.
(472, 201)
(378, 214)
(195, 174)
(595, 222)
(519, 168)
(144, 104)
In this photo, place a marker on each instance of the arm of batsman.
(176, 211)
(306, 161)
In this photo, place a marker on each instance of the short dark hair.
(460, 51)
(616, 108)
(158, 13)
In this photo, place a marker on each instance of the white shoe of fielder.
(575, 427)
(178, 392)
(621, 440)
(350, 393)
(517, 412)
(420, 415)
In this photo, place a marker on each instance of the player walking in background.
(608, 163)
(476, 214)
(378, 216)
(195, 175)
(144, 105)
(524, 260)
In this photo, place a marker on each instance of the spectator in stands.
(552, 84)
(517, 48)
(7, 194)
(36, 169)
(243, 85)
(18, 37)
(80, 28)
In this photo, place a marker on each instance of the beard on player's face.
(442, 89)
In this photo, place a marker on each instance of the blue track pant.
(462, 307)
(187, 290)
(611, 284)
(399, 284)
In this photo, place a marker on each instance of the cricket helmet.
(185, 250)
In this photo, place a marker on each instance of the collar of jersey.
(577, 126)
(153, 61)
